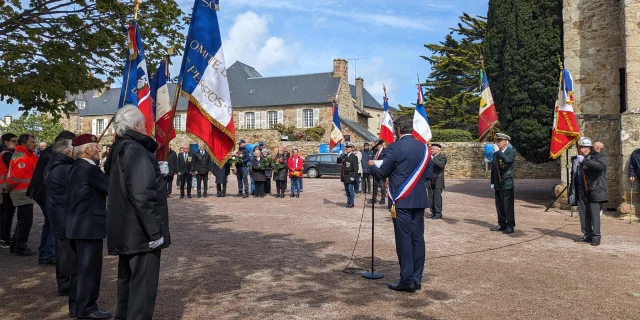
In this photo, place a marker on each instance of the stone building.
(302, 101)
(602, 51)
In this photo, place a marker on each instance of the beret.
(84, 139)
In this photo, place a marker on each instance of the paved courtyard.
(285, 259)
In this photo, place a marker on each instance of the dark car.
(316, 165)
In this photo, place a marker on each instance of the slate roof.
(359, 129)
(248, 88)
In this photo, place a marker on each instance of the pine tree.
(521, 49)
(453, 87)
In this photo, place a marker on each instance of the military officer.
(349, 163)
(502, 183)
(86, 226)
(436, 184)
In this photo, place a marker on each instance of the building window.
(308, 118)
(81, 104)
(250, 120)
(79, 124)
(100, 125)
(272, 118)
(177, 123)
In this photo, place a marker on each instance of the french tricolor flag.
(336, 129)
(386, 127)
(421, 129)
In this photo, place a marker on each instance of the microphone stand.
(373, 274)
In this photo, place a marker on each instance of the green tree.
(453, 87)
(44, 127)
(403, 111)
(521, 49)
(51, 48)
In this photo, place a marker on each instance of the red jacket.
(21, 168)
(295, 163)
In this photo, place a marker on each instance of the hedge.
(451, 135)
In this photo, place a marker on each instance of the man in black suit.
(407, 160)
(172, 162)
(86, 226)
(437, 181)
(200, 166)
(378, 154)
(184, 171)
(349, 162)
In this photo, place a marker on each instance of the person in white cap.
(588, 189)
(502, 183)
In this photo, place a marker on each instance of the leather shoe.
(436, 216)
(189, 196)
(418, 285)
(595, 241)
(381, 201)
(371, 201)
(411, 287)
(583, 239)
(26, 252)
(508, 230)
(499, 228)
(98, 314)
(348, 205)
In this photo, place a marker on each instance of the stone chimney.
(7, 119)
(340, 68)
(359, 93)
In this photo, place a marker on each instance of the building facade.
(602, 51)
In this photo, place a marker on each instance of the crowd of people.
(84, 199)
(255, 171)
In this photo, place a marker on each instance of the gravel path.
(284, 259)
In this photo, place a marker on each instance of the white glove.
(580, 158)
(492, 187)
(495, 147)
(156, 243)
(164, 167)
(352, 179)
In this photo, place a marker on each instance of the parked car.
(321, 164)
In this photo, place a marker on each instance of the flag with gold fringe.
(565, 125)
(203, 79)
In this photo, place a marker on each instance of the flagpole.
(136, 7)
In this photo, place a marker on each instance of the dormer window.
(294, 89)
(81, 104)
(252, 91)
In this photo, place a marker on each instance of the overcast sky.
(284, 37)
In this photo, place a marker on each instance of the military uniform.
(436, 185)
(348, 176)
(502, 177)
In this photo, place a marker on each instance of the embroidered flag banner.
(336, 128)
(135, 90)
(162, 108)
(565, 125)
(204, 82)
(421, 129)
(488, 116)
(386, 127)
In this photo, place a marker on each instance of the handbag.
(295, 174)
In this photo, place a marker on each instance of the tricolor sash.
(410, 183)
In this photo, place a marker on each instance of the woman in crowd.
(268, 173)
(221, 174)
(295, 172)
(257, 173)
(280, 176)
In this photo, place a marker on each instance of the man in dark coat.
(137, 215)
(407, 160)
(172, 162)
(349, 162)
(56, 174)
(222, 175)
(37, 192)
(242, 169)
(87, 188)
(502, 177)
(200, 166)
(436, 185)
(588, 189)
(378, 154)
(184, 171)
(366, 176)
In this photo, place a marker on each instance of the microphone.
(377, 144)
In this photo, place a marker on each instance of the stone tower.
(602, 51)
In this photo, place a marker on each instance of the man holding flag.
(407, 165)
(336, 128)
(565, 125)
(487, 117)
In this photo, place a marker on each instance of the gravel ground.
(285, 258)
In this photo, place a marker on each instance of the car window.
(311, 158)
(334, 158)
(325, 158)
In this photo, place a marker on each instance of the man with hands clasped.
(502, 183)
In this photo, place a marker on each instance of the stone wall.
(465, 160)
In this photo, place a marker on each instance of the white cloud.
(319, 22)
(250, 42)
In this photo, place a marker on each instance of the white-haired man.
(137, 215)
